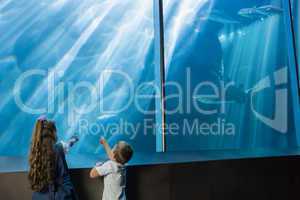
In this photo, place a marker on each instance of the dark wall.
(255, 179)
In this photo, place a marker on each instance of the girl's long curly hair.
(42, 155)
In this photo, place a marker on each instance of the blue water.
(235, 49)
(74, 42)
(296, 18)
(80, 62)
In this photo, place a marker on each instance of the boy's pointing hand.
(102, 140)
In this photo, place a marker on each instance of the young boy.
(113, 171)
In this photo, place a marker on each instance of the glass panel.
(227, 77)
(296, 20)
(79, 62)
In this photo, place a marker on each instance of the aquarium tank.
(231, 61)
(221, 83)
(295, 5)
(80, 64)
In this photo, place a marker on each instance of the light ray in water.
(186, 11)
(80, 34)
(4, 3)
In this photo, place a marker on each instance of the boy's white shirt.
(114, 180)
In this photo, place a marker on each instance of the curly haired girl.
(48, 175)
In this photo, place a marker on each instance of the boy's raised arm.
(107, 148)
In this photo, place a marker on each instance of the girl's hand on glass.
(73, 140)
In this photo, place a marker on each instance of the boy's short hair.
(123, 152)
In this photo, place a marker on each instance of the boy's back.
(114, 180)
(114, 171)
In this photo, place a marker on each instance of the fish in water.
(259, 12)
(212, 100)
(106, 116)
(219, 17)
(8, 59)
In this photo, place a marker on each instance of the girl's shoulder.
(58, 148)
